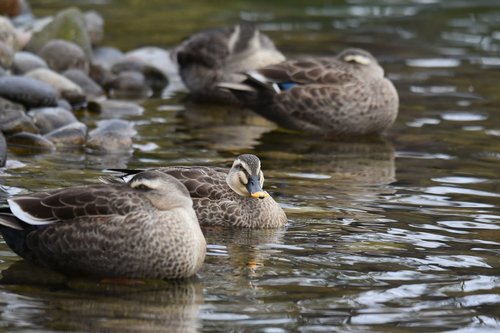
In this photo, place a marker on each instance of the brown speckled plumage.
(218, 55)
(216, 203)
(110, 230)
(338, 96)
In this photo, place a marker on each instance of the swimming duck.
(344, 95)
(229, 197)
(145, 228)
(219, 55)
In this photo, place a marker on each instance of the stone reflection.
(60, 303)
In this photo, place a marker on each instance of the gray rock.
(66, 88)
(115, 108)
(6, 55)
(49, 119)
(27, 61)
(27, 91)
(106, 56)
(68, 24)
(62, 55)
(13, 118)
(129, 84)
(8, 33)
(95, 26)
(3, 150)
(74, 134)
(89, 86)
(155, 79)
(111, 136)
(29, 143)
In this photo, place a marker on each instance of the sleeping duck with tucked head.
(144, 228)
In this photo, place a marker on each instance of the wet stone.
(66, 88)
(154, 78)
(49, 119)
(89, 86)
(3, 150)
(129, 84)
(62, 55)
(106, 56)
(27, 91)
(115, 108)
(28, 142)
(26, 61)
(13, 118)
(74, 134)
(113, 135)
(95, 26)
(68, 24)
(6, 55)
(8, 33)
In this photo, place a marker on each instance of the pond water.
(396, 234)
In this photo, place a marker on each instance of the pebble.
(29, 143)
(27, 61)
(94, 23)
(27, 91)
(89, 86)
(66, 88)
(154, 78)
(62, 55)
(115, 108)
(8, 33)
(74, 134)
(49, 119)
(13, 118)
(6, 56)
(3, 150)
(106, 56)
(111, 136)
(129, 84)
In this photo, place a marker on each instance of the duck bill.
(253, 187)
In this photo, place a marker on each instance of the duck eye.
(142, 187)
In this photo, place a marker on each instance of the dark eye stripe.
(142, 187)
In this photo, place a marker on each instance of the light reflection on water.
(399, 234)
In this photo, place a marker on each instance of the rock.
(66, 88)
(106, 56)
(28, 142)
(154, 78)
(26, 61)
(27, 91)
(64, 104)
(89, 86)
(74, 134)
(6, 55)
(101, 75)
(49, 119)
(8, 33)
(129, 84)
(113, 135)
(94, 23)
(68, 24)
(115, 108)
(3, 150)
(62, 55)
(13, 119)
(155, 57)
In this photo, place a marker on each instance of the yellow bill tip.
(259, 195)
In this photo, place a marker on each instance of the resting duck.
(229, 197)
(145, 228)
(219, 55)
(345, 95)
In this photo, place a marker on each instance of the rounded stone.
(115, 108)
(8, 33)
(27, 61)
(66, 88)
(62, 55)
(13, 118)
(6, 55)
(74, 134)
(94, 23)
(27, 91)
(153, 77)
(3, 150)
(129, 84)
(49, 119)
(106, 56)
(29, 143)
(89, 86)
(113, 135)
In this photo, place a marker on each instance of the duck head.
(246, 178)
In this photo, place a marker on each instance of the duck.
(219, 55)
(341, 96)
(145, 228)
(228, 197)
